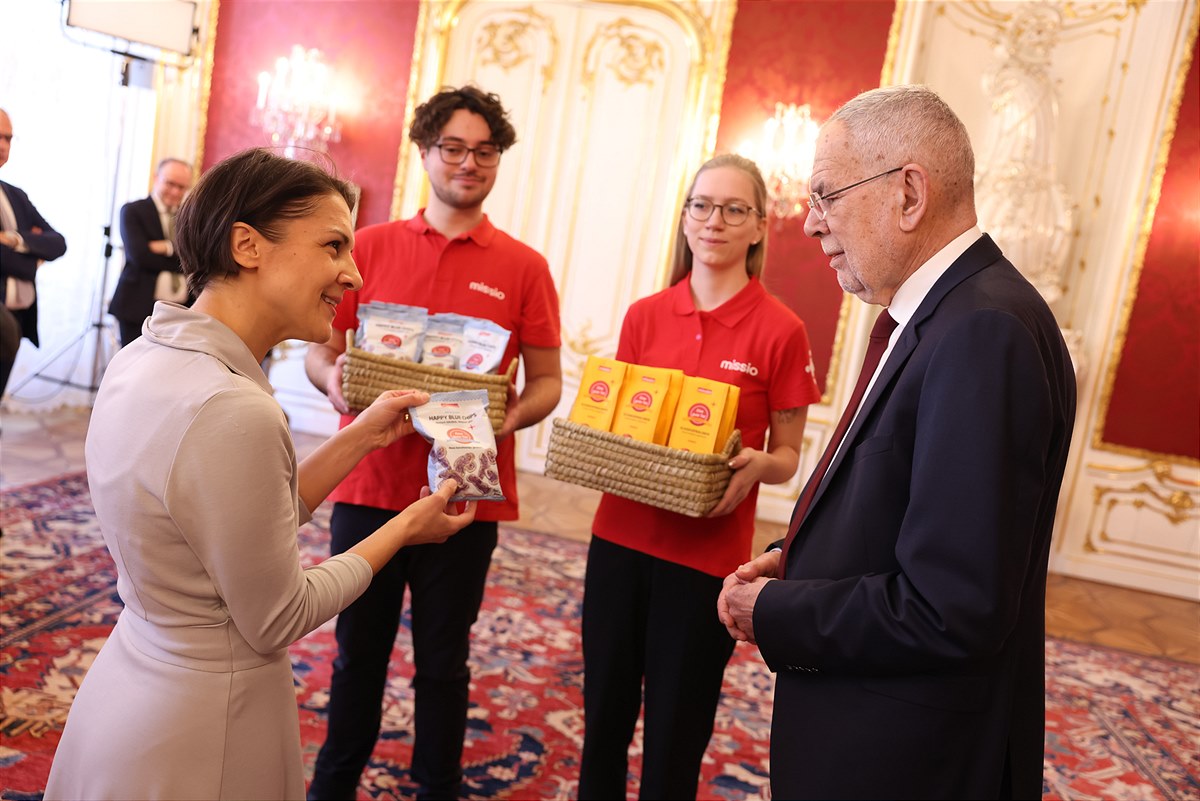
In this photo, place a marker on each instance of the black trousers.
(652, 621)
(129, 330)
(446, 583)
(10, 343)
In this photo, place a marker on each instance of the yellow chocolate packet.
(643, 401)
(596, 400)
(698, 415)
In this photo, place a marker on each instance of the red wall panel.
(368, 42)
(1155, 402)
(820, 52)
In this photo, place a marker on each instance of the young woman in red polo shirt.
(653, 576)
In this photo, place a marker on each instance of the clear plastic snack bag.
(464, 447)
(483, 346)
(392, 329)
(443, 340)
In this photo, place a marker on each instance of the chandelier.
(297, 104)
(784, 154)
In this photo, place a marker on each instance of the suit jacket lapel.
(981, 254)
(152, 218)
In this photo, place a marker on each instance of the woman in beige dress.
(198, 493)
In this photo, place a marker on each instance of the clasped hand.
(739, 593)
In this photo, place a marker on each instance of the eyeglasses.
(454, 153)
(820, 203)
(700, 210)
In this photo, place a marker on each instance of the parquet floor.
(35, 447)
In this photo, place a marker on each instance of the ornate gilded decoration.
(1151, 487)
(505, 43)
(635, 59)
(1147, 223)
(210, 43)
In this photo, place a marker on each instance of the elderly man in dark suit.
(26, 240)
(146, 231)
(904, 614)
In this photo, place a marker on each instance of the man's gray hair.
(894, 125)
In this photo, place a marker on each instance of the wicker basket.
(367, 375)
(672, 479)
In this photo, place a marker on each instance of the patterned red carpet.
(1119, 726)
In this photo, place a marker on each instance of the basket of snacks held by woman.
(652, 435)
(405, 347)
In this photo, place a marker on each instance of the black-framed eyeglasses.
(700, 210)
(455, 153)
(820, 203)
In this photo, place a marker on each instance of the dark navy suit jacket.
(909, 634)
(133, 297)
(43, 243)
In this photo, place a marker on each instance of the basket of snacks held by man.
(652, 435)
(406, 347)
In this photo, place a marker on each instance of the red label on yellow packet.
(698, 415)
(597, 397)
(642, 402)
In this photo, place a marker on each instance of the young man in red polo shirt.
(448, 258)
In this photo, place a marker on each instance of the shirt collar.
(914, 289)
(729, 313)
(158, 204)
(182, 328)
(482, 234)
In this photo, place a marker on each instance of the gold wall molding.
(1114, 357)
(505, 42)
(635, 59)
(1154, 488)
(411, 101)
(210, 45)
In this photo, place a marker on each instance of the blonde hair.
(681, 261)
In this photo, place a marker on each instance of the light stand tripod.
(99, 325)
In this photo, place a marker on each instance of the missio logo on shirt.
(479, 286)
(741, 367)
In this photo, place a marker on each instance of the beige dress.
(193, 475)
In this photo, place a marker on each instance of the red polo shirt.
(751, 340)
(483, 273)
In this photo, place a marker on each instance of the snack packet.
(596, 400)
(728, 417)
(443, 340)
(642, 401)
(464, 447)
(662, 432)
(483, 346)
(391, 329)
(698, 415)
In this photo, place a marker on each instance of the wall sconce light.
(784, 154)
(297, 104)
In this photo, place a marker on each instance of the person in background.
(198, 493)
(448, 258)
(653, 576)
(26, 240)
(147, 231)
(905, 613)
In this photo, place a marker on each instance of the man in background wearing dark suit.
(147, 233)
(26, 240)
(905, 615)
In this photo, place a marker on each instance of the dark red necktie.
(884, 325)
